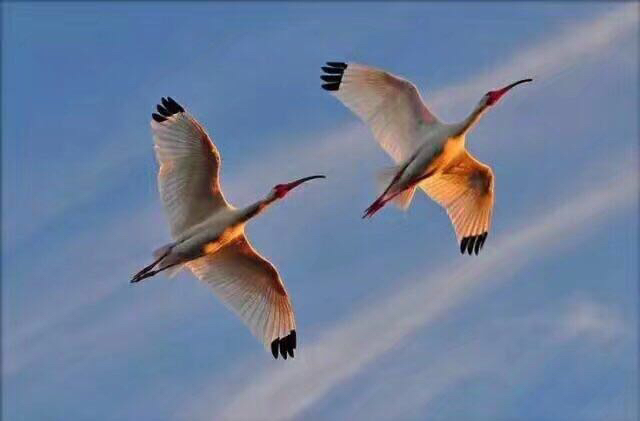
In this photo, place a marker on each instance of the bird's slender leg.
(152, 273)
(375, 207)
(140, 275)
(381, 201)
(423, 177)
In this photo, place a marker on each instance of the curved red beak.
(283, 189)
(494, 96)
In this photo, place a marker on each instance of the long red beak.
(290, 186)
(495, 95)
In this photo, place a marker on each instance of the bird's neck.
(256, 208)
(465, 125)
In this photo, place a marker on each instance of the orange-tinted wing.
(465, 189)
(250, 286)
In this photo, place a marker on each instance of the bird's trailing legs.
(379, 203)
(375, 207)
(146, 271)
(140, 276)
(381, 200)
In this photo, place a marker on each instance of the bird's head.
(280, 190)
(492, 97)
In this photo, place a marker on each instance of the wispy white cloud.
(592, 320)
(503, 354)
(547, 60)
(343, 351)
(29, 331)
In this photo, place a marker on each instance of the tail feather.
(171, 264)
(164, 261)
(388, 176)
(404, 198)
(386, 182)
(168, 261)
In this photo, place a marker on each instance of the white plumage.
(428, 153)
(188, 175)
(208, 232)
(251, 287)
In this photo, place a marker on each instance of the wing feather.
(189, 167)
(465, 189)
(390, 105)
(251, 287)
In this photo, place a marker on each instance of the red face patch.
(494, 96)
(281, 190)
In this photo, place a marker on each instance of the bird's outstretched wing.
(390, 105)
(465, 189)
(189, 167)
(251, 287)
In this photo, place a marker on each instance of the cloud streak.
(504, 353)
(548, 59)
(343, 351)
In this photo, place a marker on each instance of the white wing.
(465, 189)
(189, 167)
(251, 287)
(390, 105)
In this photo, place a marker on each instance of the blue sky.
(393, 322)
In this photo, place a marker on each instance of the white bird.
(428, 153)
(208, 232)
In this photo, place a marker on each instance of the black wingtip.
(158, 117)
(163, 111)
(473, 243)
(292, 342)
(463, 244)
(175, 105)
(478, 245)
(334, 72)
(167, 107)
(331, 86)
(483, 238)
(331, 78)
(337, 64)
(284, 346)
